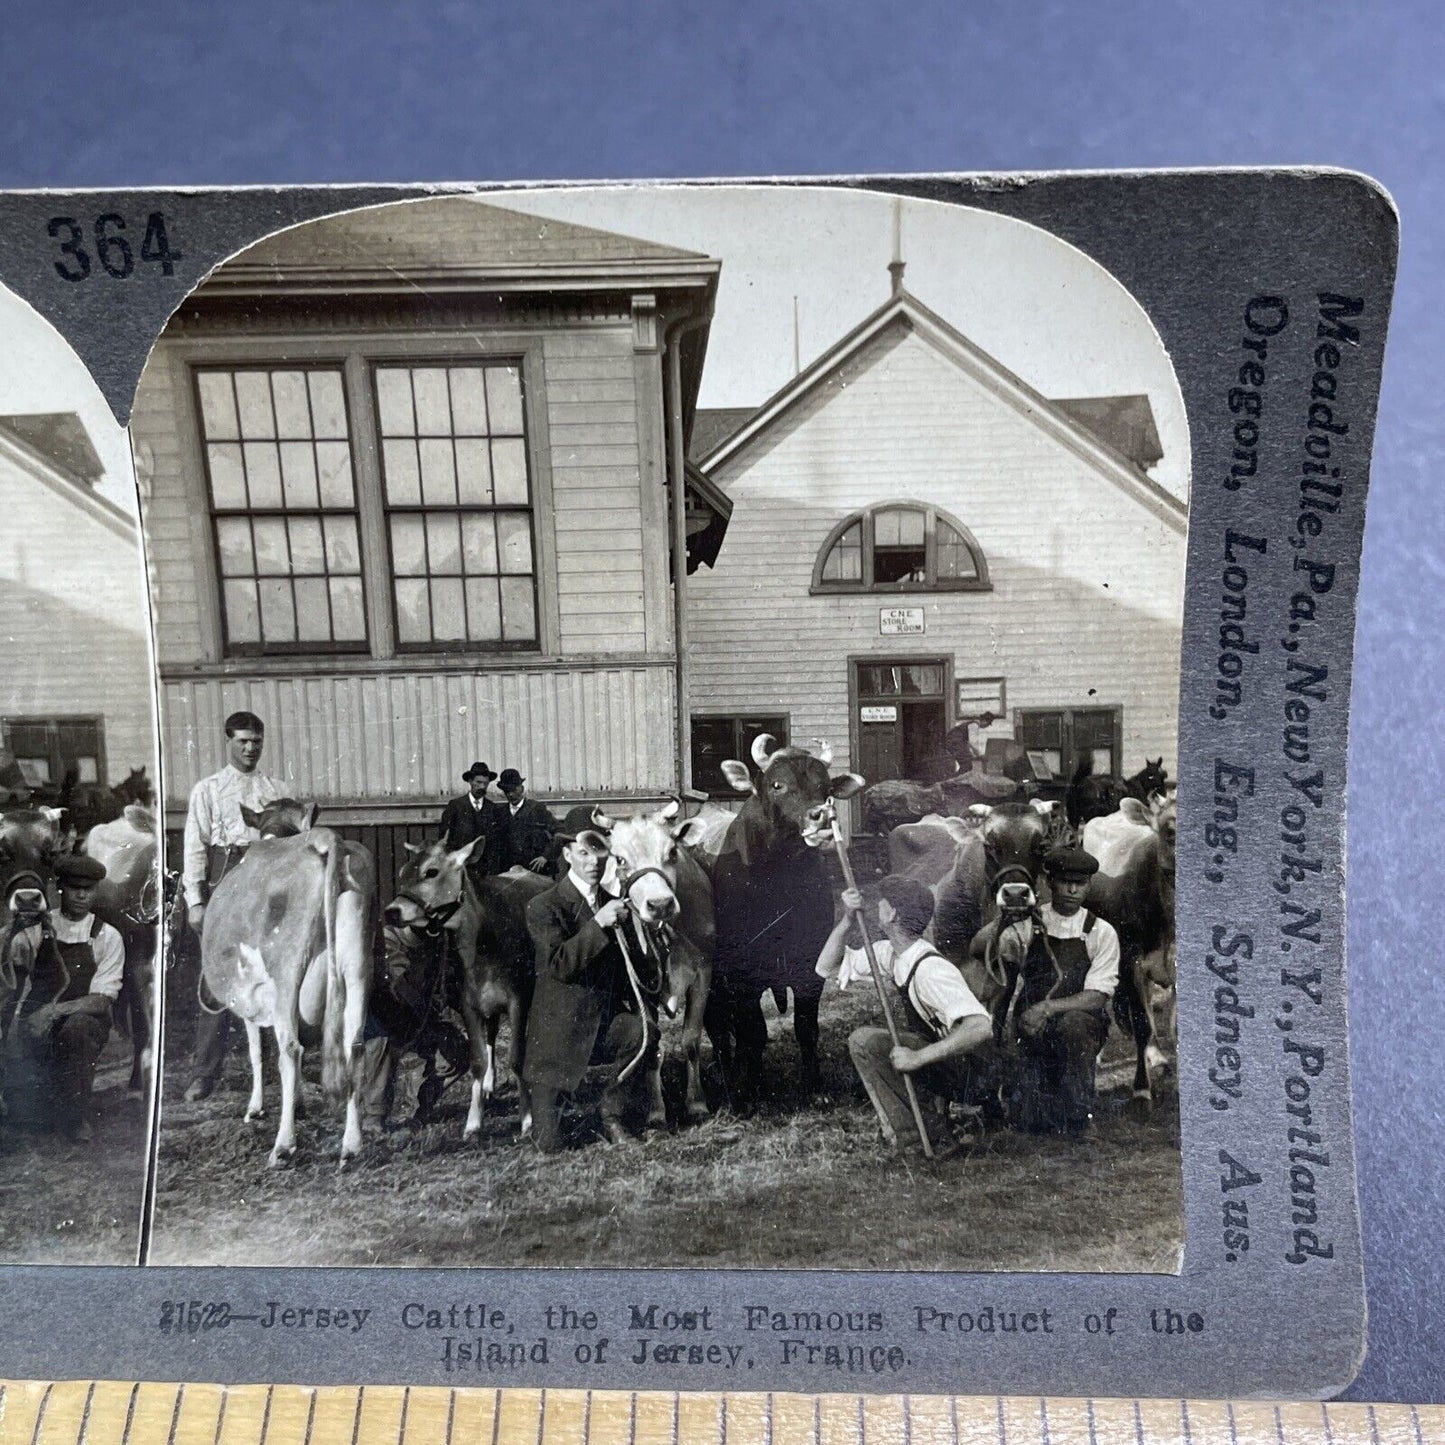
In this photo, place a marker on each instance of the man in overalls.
(216, 839)
(75, 964)
(946, 1043)
(1068, 976)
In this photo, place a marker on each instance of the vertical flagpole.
(852, 883)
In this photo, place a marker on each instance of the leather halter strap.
(625, 883)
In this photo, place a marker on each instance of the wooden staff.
(878, 984)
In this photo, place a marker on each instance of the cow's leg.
(481, 1060)
(288, 1048)
(717, 1019)
(355, 1025)
(692, 1026)
(517, 1039)
(489, 1079)
(807, 1031)
(256, 1107)
(1141, 1101)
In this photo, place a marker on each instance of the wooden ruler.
(123, 1413)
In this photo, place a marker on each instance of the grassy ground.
(67, 1203)
(797, 1186)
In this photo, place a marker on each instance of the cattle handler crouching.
(583, 1010)
(76, 964)
(947, 1045)
(1069, 973)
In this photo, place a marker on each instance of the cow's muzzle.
(1014, 890)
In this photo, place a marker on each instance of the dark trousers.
(971, 1078)
(208, 1058)
(63, 1061)
(618, 1048)
(1055, 1085)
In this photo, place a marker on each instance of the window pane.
(438, 473)
(514, 536)
(1042, 729)
(342, 554)
(243, 618)
(278, 611)
(910, 528)
(348, 617)
(413, 614)
(504, 399)
(885, 528)
(484, 612)
(263, 473)
(844, 562)
(408, 547)
(444, 553)
(479, 544)
(313, 610)
(403, 474)
(328, 405)
(307, 555)
(509, 471)
(228, 475)
(1093, 729)
(433, 410)
(474, 472)
(925, 681)
(333, 464)
(469, 402)
(954, 560)
(448, 615)
(298, 474)
(293, 411)
(393, 401)
(519, 617)
(218, 405)
(272, 554)
(253, 395)
(233, 536)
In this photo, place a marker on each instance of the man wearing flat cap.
(75, 964)
(1069, 973)
(583, 1010)
(473, 816)
(527, 829)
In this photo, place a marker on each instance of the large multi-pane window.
(458, 504)
(283, 507)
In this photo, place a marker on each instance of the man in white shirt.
(216, 839)
(1069, 972)
(947, 1045)
(75, 965)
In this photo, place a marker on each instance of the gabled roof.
(711, 426)
(454, 239)
(55, 449)
(906, 310)
(1125, 422)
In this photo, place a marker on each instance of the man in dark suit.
(583, 1010)
(526, 828)
(473, 816)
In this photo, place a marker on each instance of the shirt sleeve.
(1103, 945)
(197, 837)
(109, 962)
(939, 990)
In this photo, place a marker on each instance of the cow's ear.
(1135, 811)
(738, 776)
(690, 831)
(1043, 808)
(251, 818)
(844, 785)
(462, 854)
(312, 813)
(670, 809)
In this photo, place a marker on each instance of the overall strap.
(1090, 919)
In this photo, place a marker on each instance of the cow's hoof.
(656, 1123)
(199, 1089)
(472, 1135)
(280, 1158)
(614, 1132)
(1140, 1108)
(343, 1165)
(698, 1114)
(252, 1115)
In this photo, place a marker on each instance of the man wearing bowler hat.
(528, 828)
(471, 817)
(1069, 973)
(75, 965)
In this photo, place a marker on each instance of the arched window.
(901, 547)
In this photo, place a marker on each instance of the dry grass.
(67, 1203)
(797, 1186)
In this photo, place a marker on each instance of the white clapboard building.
(413, 472)
(918, 536)
(75, 678)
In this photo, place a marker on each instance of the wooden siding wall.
(73, 620)
(402, 739)
(1087, 600)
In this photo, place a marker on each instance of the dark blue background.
(171, 93)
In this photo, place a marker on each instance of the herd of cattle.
(728, 905)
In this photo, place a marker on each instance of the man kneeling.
(947, 1046)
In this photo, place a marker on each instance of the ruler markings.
(541, 1414)
(1415, 1423)
(1374, 1425)
(176, 1414)
(496, 1417)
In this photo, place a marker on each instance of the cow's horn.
(762, 750)
(670, 810)
(602, 820)
(825, 752)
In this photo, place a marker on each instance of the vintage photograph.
(79, 832)
(669, 699)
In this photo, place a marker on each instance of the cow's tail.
(335, 1056)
